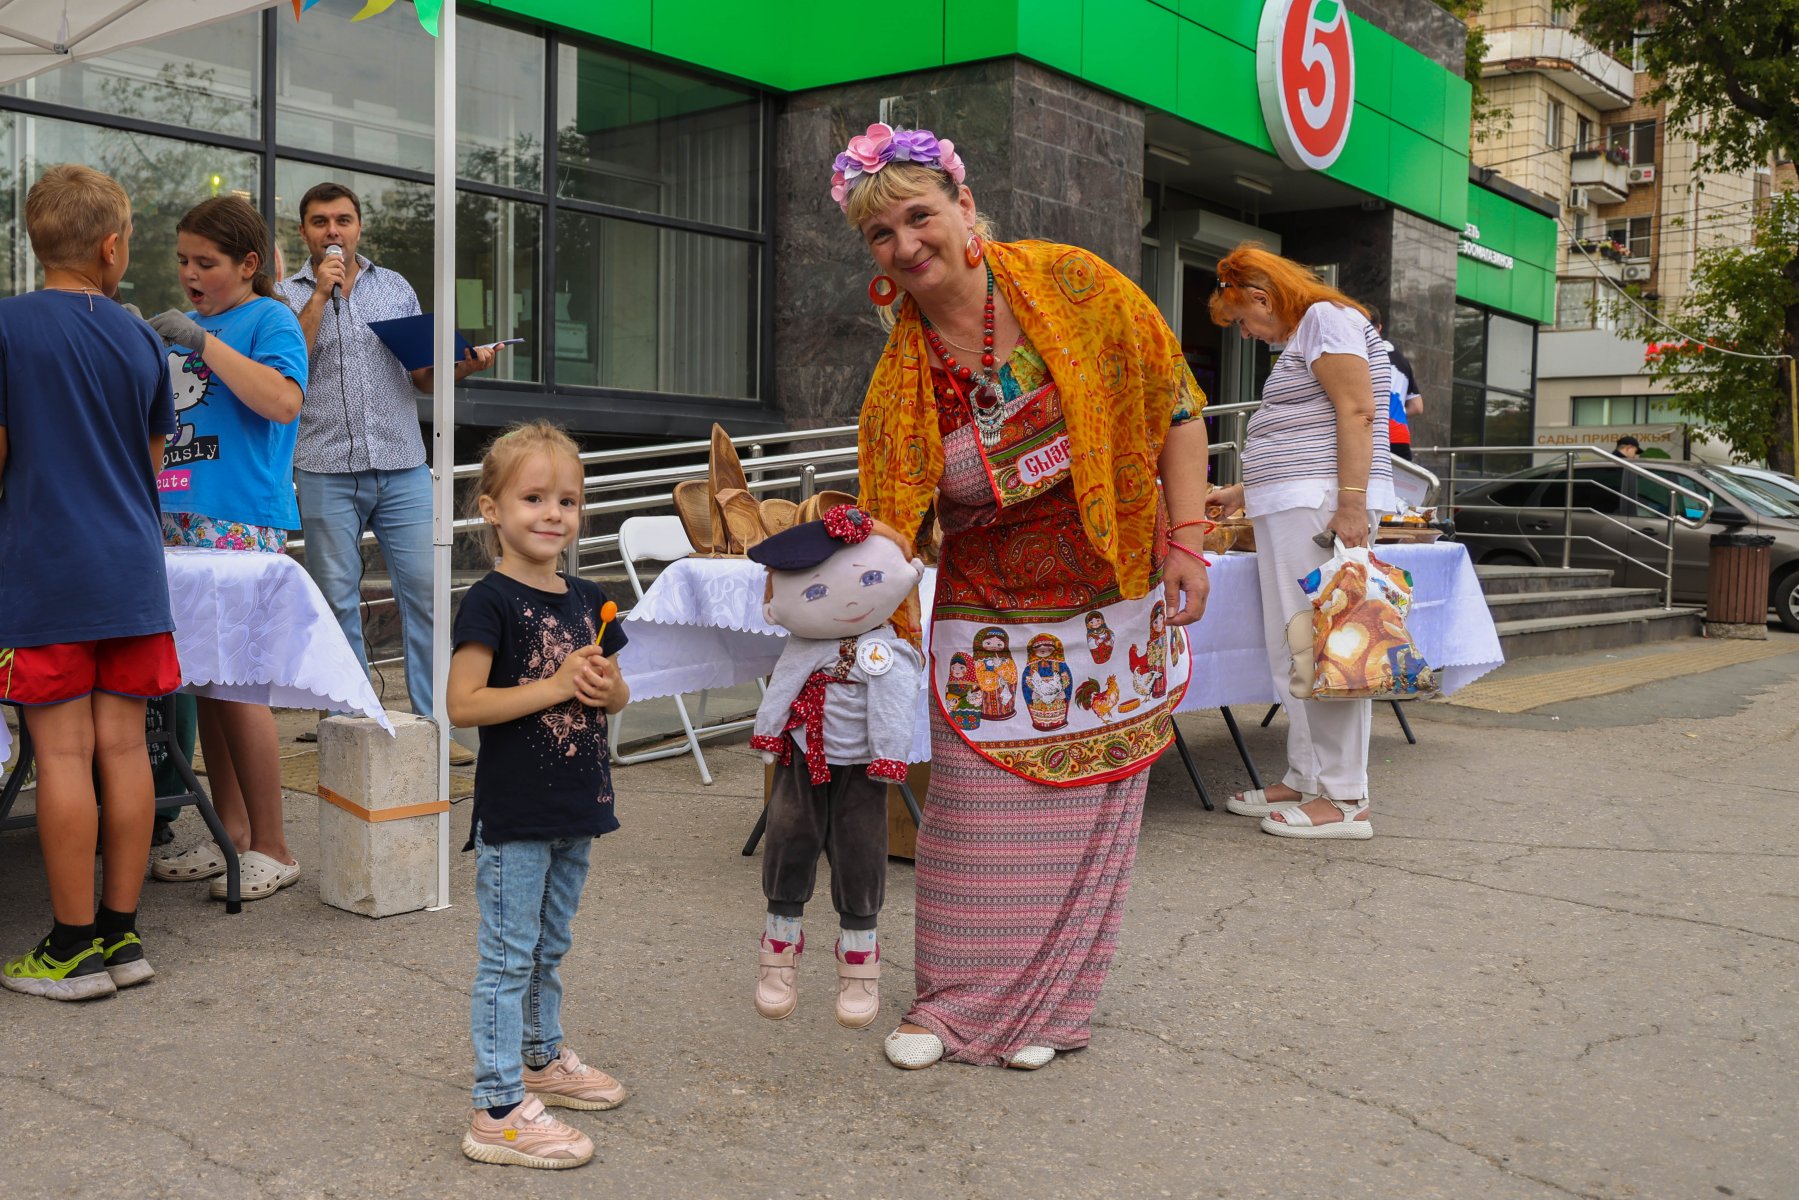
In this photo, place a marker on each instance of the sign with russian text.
(1305, 70)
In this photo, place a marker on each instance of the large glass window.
(1633, 234)
(640, 136)
(360, 91)
(397, 220)
(1493, 398)
(655, 309)
(164, 178)
(209, 78)
(1636, 138)
(499, 105)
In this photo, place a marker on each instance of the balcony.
(1601, 259)
(1566, 57)
(1604, 173)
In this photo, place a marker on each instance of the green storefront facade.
(643, 198)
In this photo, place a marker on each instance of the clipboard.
(410, 340)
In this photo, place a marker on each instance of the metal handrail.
(1568, 537)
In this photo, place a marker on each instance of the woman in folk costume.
(1033, 394)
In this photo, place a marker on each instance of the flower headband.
(882, 144)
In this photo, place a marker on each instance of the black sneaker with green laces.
(39, 972)
(125, 960)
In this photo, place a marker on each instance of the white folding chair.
(661, 539)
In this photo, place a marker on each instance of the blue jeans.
(335, 511)
(528, 893)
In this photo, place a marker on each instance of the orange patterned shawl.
(1117, 368)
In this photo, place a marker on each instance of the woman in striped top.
(1315, 458)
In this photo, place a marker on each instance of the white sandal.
(202, 862)
(913, 1051)
(1354, 824)
(1031, 1058)
(259, 876)
(1257, 804)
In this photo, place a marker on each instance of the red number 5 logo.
(1305, 69)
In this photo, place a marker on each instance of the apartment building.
(1635, 211)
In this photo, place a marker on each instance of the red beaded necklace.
(984, 400)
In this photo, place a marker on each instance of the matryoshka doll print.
(995, 674)
(1158, 651)
(961, 698)
(1047, 682)
(1099, 638)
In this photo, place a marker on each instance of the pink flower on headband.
(869, 151)
(951, 162)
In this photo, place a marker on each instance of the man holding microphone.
(360, 459)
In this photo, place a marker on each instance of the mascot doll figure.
(837, 723)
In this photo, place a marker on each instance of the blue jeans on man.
(335, 510)
(527, 892)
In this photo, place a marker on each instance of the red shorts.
(129, 666)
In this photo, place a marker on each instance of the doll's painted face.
(1157, 622)
(1096, 622)
(993, 643)
(1040, 651)
(958, 669)
(853, 591)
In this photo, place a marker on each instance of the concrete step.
(1506, 581)
(1596, 631)
(1570, 602)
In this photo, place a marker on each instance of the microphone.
(337, 289)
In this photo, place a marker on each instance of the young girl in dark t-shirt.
(533, 669)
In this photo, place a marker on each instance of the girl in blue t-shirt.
(534, 670)
(238, 361)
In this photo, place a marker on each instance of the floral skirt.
(210, 533)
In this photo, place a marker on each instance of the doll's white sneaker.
(913, 1051)
(777, 991)
(858, 993)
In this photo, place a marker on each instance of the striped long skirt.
(1021, 889)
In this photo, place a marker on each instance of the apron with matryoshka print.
(1037, 661)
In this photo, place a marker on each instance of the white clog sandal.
(913, 1051)
(1031, 1058)
(1294, 823)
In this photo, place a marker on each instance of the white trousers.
(1327, 740)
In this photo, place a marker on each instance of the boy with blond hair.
(85, 628)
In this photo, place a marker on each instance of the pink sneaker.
(777, 991)
(528, 1137)
(568, 1082)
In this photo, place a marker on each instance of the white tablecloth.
(255, 628)
(700, 626)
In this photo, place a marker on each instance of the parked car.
(1620, 524)
(1784, 486)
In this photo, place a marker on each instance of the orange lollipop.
(608, 611)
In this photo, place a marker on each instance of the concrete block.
(378, 814)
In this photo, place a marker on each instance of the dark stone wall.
(1404, 264)
(1048, 157)
(1435, 33)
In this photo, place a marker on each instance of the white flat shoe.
(1294, 823)
(913, 1051)
(1256, 803)
(1031, 1058)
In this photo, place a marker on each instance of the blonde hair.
(902, 181)
(506, 455)
(70, 211)
(1291, 287)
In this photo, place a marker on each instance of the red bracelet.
(1174, 545)
(1210, 525)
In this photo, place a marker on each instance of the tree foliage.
(1730, 73)
(1740, 300)
(1730, 70)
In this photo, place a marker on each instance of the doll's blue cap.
(795, 549)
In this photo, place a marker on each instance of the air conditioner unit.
(1636, 272)
(1638, 175)
(1578, 200)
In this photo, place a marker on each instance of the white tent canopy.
(41, 35)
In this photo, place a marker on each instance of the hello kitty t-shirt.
(225, 460)
(547, 774)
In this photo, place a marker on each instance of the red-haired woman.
(1315, 458)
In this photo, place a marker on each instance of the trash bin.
(1736, 595)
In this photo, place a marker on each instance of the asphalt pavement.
(1564, 966)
